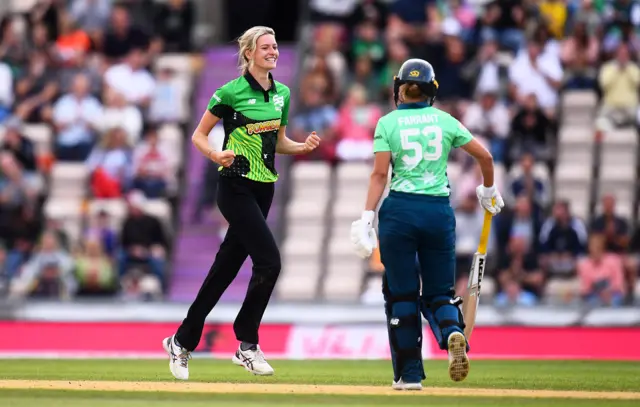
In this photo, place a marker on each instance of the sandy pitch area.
(303, 389)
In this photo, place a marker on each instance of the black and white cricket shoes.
(253, 361)
(178, 358)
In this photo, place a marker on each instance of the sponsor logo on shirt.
(263, 127)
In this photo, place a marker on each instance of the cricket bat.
(472, 296)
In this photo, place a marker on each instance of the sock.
(246, 346)
(175, 341)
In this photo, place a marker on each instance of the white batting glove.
(363, 235)
(486, 196)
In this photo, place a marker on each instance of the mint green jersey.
(419, 138)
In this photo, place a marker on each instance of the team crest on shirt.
(278, 102)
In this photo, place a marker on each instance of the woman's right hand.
(224, 158)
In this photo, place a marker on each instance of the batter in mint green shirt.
(251, 117)
(419, 138)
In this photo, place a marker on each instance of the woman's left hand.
(311, 143)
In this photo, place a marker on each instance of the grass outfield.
(97, 383)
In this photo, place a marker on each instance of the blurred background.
(108, 221)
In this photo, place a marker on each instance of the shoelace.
(184, 358)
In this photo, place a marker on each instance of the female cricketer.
(254, 109)
(416, 219)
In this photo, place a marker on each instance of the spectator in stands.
(579, 55)
(122, 37)
(118, 113)
(487, 67)
(36, 90)
(315, 114)
(554, 13)
(21, 228)
(531, 186)
(110, 165)
(453, 70)
(411, 24)
(6, 91)
(490, 120)
(47, 12)
(355, 126)
(100, 227)
(19, 146)
(174, 22)
(39, 41)
(328, 59)
(166, 104)
(92, 16)
(539, 73)
(620, 32)
(56, 226)
(71, 41)
(132, 79)
(49, 272)
(151, 166)
(469, 218)
(521, 278)
(369, 53)
(16, 188)
(520, 222)
(80, 65)
(601, 275)
(616, 233)
(612, 227)
(95, 272)
(143, 240)
(530, 130)
(365, 76)
(619, 80)
(590, 16)
(13, 50)
(504, 20)
(563, 238)
(76, 117)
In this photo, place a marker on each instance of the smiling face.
(265, 55)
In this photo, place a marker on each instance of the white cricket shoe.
(458, 359)
(401, 385)
(178, 358)
(253, 361)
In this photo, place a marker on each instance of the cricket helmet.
(421, 73)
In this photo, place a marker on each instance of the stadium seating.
(573, 175)
(305, 233)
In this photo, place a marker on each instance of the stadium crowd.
(83, 70)
(502, 66)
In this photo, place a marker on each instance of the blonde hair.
(248, 42)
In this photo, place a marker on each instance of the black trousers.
(245, 204)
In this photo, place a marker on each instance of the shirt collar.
(414, 105)
(256, 86)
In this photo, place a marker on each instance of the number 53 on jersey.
(420, 141)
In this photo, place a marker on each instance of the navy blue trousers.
(410, 226)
